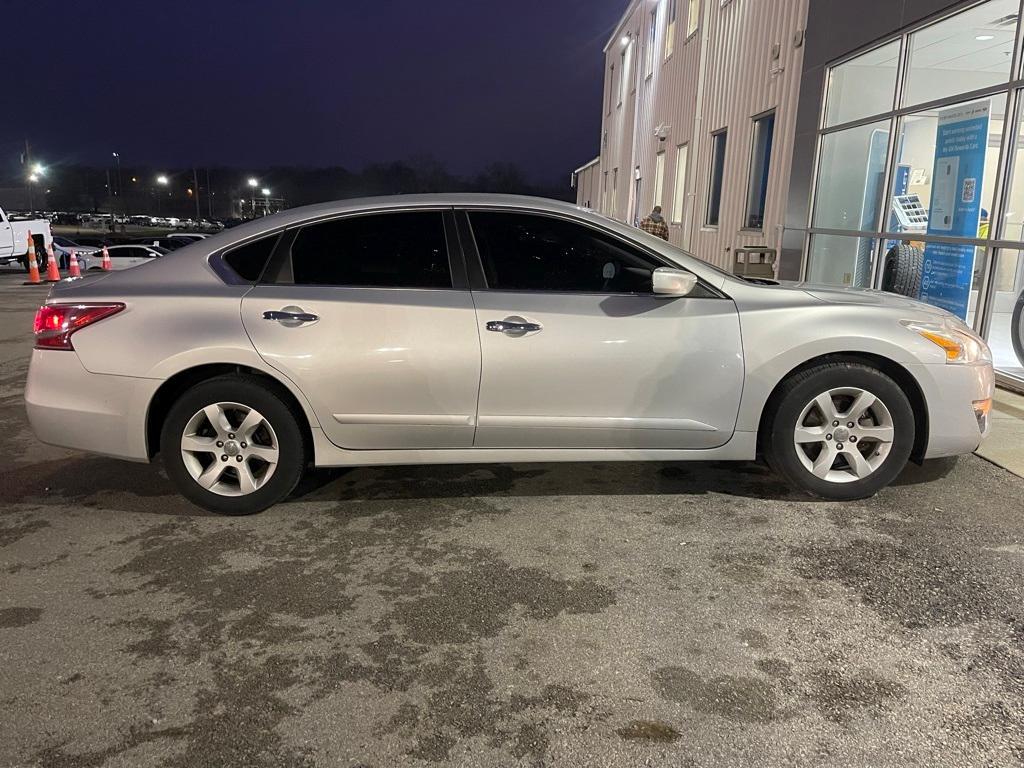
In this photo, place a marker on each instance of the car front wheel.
(840, 431)
(233, 447)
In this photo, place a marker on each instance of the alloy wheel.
(230, 449)
(844, 435)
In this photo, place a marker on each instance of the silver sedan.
(463, 328)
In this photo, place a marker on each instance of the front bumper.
(951, 392)
(72, 408)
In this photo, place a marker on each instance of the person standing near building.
(655, 224)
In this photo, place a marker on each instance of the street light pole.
(120, 188)
(162, 181)
(195, 184)
(253, 183)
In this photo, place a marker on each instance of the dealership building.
(875, 143)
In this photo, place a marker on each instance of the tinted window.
(248, 260)
(717, 176)
(523, 252)
(391, 250)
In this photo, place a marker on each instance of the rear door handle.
(290, 316)
(513, 327)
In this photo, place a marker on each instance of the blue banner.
(955, 211)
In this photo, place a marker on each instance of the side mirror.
(673, 282)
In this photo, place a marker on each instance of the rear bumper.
(951, 392)
(72, 408)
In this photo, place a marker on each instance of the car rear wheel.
(233, 447)
(840, 431)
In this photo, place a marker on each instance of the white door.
(577, 351)
(365, 319)
(7, 239)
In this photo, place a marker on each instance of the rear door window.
(387, 250)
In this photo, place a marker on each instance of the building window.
(760, 166)
(611, 87)
(659, 177)
(851, 175)
(652, 36)
(965, 52)
(615, 192)
(692, 16)
(670, 28)
(622, 76)
(717, 175)
(863, 86)
(679, 195)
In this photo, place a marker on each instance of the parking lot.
(564, 615)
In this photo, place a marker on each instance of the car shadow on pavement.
(93, 482)
(563, 479)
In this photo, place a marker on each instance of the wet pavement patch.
(737, 698)
(648, 730)
(12, 618)
(839, 696)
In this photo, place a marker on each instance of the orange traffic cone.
(106, 260)
(52, 272)
(73, 268)
(33, 265)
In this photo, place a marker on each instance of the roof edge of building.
(618, 26)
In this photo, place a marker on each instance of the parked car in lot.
(14, 239)
(128, 256)
(469, 328)
(185, 238)
(62, 247)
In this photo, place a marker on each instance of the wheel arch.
(171, 389)
(891, 368)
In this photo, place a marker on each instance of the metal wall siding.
(741, 82)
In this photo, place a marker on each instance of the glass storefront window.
(841, 260)
(863, 86)
(944, 184)
(1013, 219)
(851, 176)
(962, 53)
(946, 163)
(1006, 328)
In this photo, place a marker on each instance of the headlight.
(961, 344)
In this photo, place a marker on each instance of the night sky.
(316, 83)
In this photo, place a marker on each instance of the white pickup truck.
(14, 239)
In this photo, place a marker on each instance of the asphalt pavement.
(534, 615)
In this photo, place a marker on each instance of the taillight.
(55, 323)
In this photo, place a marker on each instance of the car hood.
(867, 297)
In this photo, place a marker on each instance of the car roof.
(296, 216)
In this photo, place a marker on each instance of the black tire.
(800, 390)
(904, 266)
(1017, 328)
(293, 451)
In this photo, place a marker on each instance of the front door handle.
(512, 326)
(290, 316)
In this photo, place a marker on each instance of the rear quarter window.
(247, 261)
